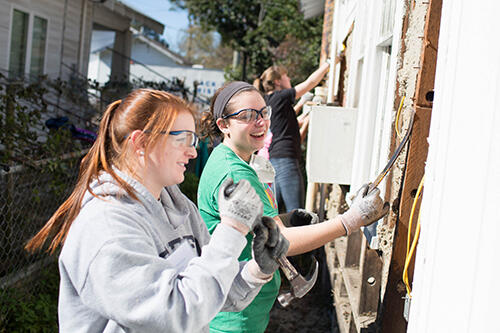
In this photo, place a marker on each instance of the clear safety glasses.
(249, 115)
(184, 138)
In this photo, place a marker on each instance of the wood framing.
(392, 311)
(392, 319)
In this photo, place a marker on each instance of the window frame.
(373, 86)
(29, 42)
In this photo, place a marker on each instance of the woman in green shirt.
(240, 115)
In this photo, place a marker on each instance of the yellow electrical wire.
(410, 250)
(397, 117)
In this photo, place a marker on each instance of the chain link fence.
(28, 198)
(46, 127)
(44, 131)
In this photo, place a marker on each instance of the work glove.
(299, 217)
(365, 209)
(268, 245)
(240, 202)
(308, 96)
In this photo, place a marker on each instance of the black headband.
(225, 95)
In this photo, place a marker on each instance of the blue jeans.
(288, 183)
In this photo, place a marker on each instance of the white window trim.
(375, 115)
(343, 18)
(31, 18)
(365, 165)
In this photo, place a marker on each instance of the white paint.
(372, 87)
(454, 287)
(330, 144)
(333, 71)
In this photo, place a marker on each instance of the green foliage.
(266, 31)
(190, 186)
(23, 135)
(31, 307)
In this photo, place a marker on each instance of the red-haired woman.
(137, 256)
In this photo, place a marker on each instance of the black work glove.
(268, 245)
(298, 217)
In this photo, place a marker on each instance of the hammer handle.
(287, 268)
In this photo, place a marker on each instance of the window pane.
(38, 46)
(18, 43)
(387, 24)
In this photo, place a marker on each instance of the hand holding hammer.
(270, 248)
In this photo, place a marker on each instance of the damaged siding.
(384, 61)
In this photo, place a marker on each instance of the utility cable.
(411, 250)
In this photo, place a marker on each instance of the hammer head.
(300, 285)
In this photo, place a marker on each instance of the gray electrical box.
(330, 144)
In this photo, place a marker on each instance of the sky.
(175, 21)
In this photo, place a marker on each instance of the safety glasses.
(182, 138)
(248, 115)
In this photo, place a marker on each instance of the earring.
(141, 153)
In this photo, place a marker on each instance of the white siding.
(455, 283)
(150, 56)
(210, 79)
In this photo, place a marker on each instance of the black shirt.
(284, 125)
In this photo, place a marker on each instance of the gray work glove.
(268, 245)
(365, 209)
(242, 204)
(299, 217)
(308, 96)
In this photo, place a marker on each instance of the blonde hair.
(265, 82)
(143, 109)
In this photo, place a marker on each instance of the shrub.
(32, 306)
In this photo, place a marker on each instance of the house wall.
(456, 268)
(99, 68)
(64, 17)
(380, 70)
(153, 65)
(210, 79)
(150, 56)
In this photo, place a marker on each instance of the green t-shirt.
(223, 163)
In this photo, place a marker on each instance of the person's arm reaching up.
(312, 81)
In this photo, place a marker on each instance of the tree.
(203, 47)
(258, 29)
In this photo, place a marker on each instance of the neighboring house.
(151, 60)
(52, 38)
(414, 56)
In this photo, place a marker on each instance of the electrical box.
(330, 144)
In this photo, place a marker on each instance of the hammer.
(300, 285)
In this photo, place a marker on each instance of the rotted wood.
(425, 82)
(392, 320)
(392, 316)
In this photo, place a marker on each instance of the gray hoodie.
(148, 266)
